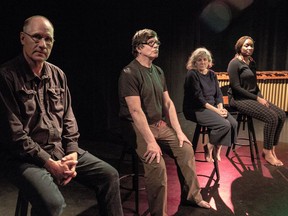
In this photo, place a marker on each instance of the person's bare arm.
(140, 121)
(171, 114)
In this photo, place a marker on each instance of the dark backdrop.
(93, 42)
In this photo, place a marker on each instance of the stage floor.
(245, 188)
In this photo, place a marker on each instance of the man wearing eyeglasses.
(146, 107)
(39, 133)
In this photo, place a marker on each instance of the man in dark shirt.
(39, 133)
(145, 106)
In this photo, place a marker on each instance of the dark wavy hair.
(141, 36)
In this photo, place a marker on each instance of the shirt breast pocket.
(27, 97)
(56, 99)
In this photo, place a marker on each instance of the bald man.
(39, 133)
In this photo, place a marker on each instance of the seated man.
(144, 101)
(39, 133)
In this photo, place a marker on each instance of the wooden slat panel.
(273, 89)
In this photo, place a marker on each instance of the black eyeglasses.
(38, 37)
(152, 43)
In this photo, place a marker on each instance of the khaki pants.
(155, 173)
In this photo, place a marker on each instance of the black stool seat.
(204, 130)
(242, 118)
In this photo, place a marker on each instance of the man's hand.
(63, 170)
(183, 139)
(71, 162)
(153, 151)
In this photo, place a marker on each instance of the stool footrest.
(242, 118)
(132, 175)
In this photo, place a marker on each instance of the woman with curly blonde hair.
(203, 102)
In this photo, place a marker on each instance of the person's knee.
(283, 116)
(50, 207)
(56, 206)
(273, 120)
(226, 126)
(112, 175)
(186, 153)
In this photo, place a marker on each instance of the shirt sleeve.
(193, 88)
(70, 133)
(128, 83)
(12, 135)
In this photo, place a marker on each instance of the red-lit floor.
(244, 188)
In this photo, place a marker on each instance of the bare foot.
(208, 152)
(274, 154)
(218, 152)
(204, 204)
(269, 157)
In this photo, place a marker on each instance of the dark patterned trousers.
(272, 116)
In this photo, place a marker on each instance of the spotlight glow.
(216, 16)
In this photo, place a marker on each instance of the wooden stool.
(204, 130)
(21, 206)
(242, 118)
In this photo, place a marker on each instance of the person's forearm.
(220, 106)
(20, 141)
(210, 107)
(142, 125)
(171, 114)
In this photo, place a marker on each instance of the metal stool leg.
(241, 118)
(134, 175)
(196, 137)
(136, 180)
(21, 206)
(252, 138)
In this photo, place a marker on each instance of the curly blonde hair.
(200, 52)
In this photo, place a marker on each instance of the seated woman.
(203, 102)
(247, 98)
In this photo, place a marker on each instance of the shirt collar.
(28, 73)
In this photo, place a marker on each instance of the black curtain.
(93, 42)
